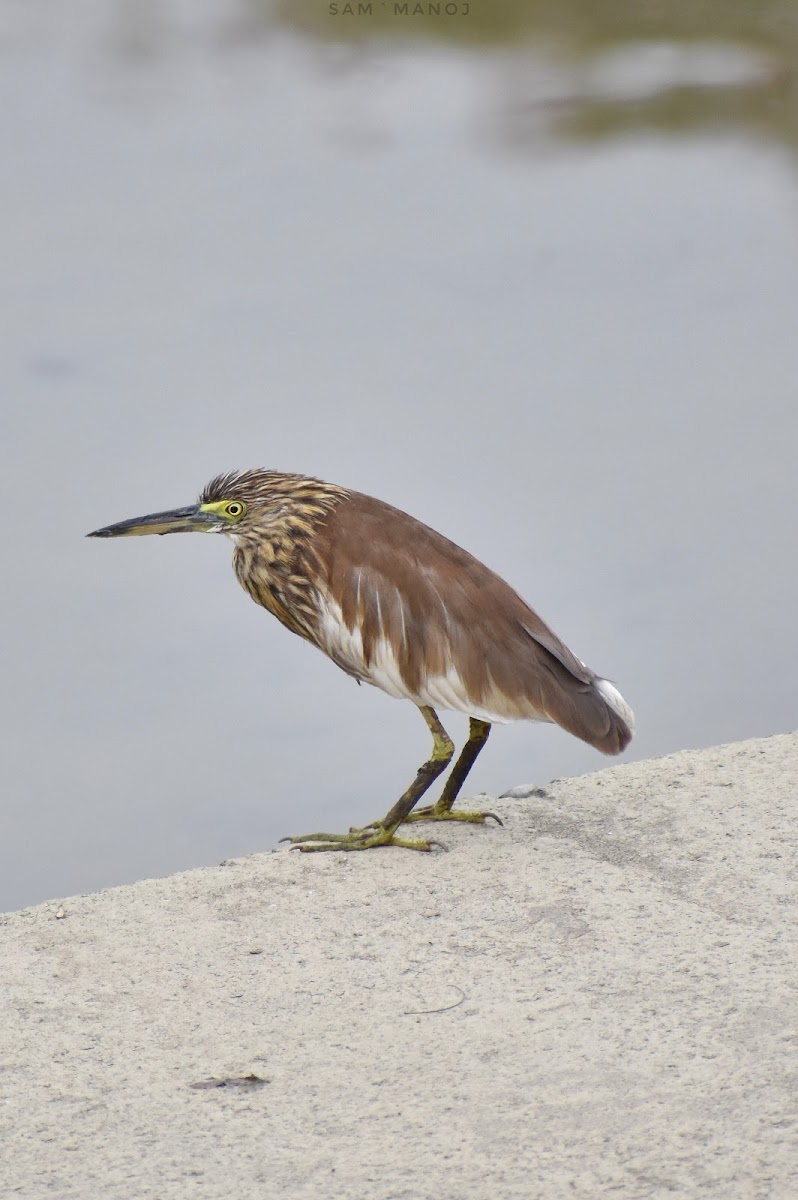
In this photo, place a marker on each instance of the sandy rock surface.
(601, 998)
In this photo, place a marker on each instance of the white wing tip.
(615, 700)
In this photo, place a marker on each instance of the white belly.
(447, 692)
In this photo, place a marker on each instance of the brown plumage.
(397, 605)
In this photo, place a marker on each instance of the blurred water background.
(527, 270)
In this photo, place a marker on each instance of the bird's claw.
(434, 814)
(356, 839)
(431, 813)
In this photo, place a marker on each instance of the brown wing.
(457, 631)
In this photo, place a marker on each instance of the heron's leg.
(382, 833)
(442, 810)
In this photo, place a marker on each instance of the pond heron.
(395, 604)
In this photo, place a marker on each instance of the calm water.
(531, 274)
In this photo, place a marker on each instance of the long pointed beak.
(178, 520)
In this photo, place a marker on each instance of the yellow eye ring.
(236, 508)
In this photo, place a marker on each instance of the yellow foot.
(356, 839)
(433, 813)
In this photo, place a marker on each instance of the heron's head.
(237, 504)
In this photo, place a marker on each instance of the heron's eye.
(236, 508)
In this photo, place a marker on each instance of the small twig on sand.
(423, 1012)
